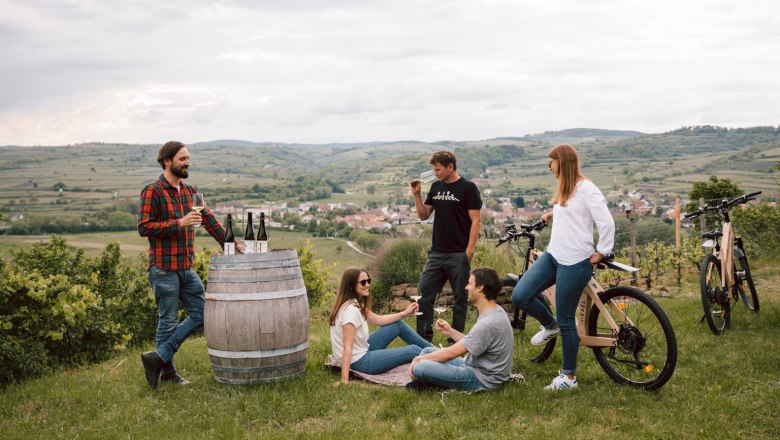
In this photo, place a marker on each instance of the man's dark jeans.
(440, 268)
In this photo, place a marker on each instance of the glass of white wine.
(198, 203)
(427, 176)
(440, 306)
(416, 298)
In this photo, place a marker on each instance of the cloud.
(348, 70)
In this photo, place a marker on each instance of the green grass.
(724, 387)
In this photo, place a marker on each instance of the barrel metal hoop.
(285, 277)
(258, 354)
(251, 381)
(253, 265)
(256, 296)
(257, 369)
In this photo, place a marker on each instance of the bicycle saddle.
(510, 280)
(713, 234)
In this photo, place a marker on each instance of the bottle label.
(250, 246)
(263, 246)
(230, 248)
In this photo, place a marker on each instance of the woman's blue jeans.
(569, 282)
(452, 374)
(379, 358)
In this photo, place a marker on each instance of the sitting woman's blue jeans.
(379, 358)
(452, 374)
(569, 283)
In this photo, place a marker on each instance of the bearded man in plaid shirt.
(166, 218)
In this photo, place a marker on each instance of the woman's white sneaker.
(562, 382)
(544, 335)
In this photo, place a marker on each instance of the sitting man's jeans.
(452, 374)
(170, 288)
(379, 358)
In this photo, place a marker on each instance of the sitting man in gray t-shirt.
(489, 346)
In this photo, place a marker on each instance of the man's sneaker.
(562, 382)
(544, 335)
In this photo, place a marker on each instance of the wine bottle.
(249, 236)
(229, 246)
(262, 234)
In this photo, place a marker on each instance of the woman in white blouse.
(349, 337)
(569, 260)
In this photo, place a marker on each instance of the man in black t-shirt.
(456, 202)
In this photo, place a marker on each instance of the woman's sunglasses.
(549, 163)
(366, 281)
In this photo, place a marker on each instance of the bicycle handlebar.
(725, 204)
(526, 230)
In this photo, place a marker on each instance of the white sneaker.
(544, 335)
(562, 382)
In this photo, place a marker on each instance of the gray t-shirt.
(491, 347)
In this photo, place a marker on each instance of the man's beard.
(181, 173)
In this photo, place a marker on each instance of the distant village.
(403, 218)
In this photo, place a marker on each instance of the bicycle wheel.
(717, 309)
(743, 275)
(646, 352)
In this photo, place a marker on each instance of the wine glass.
(416, 298)
(198, 204)
(427, 176)
(440, 306)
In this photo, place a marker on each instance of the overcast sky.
(311, 71)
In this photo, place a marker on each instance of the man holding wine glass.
(456, 203)
(167, 218)
(489, 346)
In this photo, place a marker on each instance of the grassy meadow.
(724, 387)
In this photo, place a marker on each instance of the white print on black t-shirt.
(445, 196)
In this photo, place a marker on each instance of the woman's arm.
(605, 224)
(381, 320)
(349, 331)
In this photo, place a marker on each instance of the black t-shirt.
(451, 204)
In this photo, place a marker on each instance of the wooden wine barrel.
(256, 317)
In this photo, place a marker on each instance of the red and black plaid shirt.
(162, 205)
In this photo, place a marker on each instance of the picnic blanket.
(398, 376)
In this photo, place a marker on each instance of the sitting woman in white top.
(569, 260)
(349, 337)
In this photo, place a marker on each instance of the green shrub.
(397, 261)
(316, 278)
(58, 307)
(759, 227)
(502, 259)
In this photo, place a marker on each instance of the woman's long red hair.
(568, 172)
